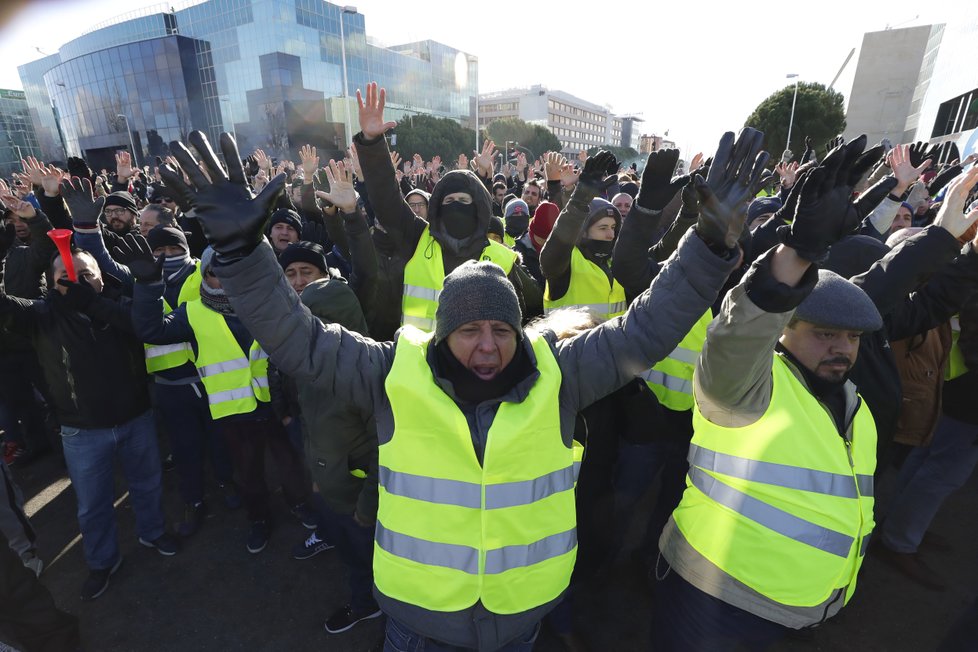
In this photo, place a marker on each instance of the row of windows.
(579, 136)
(556, 105)
(573, 122)
(957, 115)
(499, 107)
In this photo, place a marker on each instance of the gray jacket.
(351, 368)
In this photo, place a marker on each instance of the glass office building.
(270, 71)
(17, 138)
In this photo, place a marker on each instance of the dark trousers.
(686, 619)
(21, 416)
(29, 618)
(401, 638)
(355, 544)
(248, 441)
(186, 417)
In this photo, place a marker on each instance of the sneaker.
(345, 618)
(232, 500)
(311, 547)
(164, 544)
(258, 537)
(193, 518)
(306, 516)
(98, 581)
(34, 564)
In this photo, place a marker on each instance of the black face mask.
(599, 248)
(459, 220)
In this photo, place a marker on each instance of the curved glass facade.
(269, 70)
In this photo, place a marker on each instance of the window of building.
(956, 115)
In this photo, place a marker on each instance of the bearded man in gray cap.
(778, 507)
(475, 535)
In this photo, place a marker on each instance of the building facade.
(577, 123)
(17, 137)
(270, 71)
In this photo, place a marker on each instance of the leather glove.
(809, 152)
(658, 187)
(920, 152)
(943, 178)
(599, 173)
(134, 252)
(691, 201)
(82, 205)
(825, 212)
(8, 235)
(233, 221)
(833, 144)
(724, 194)
(80, 295)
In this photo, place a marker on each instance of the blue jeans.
(401, 638)
(355, 545)
(928, 476)
(90, 455)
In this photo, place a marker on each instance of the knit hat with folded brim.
(838, 303)
(475, 291)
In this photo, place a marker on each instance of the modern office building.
(270, 71)
(577, 123)
(17, 138)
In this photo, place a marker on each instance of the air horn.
(62, 240)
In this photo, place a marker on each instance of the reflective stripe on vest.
(158, 350)
(451, 531)
(424, 277)
(783, 505)
(671, 379)
(234, 383)
(160, 357)
(955, 360)
(589, 287)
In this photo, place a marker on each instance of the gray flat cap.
(838, 303)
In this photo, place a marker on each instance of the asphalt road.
(214, 595)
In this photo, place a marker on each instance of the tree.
(625, 155)
(430, 136)
(535, 138)
(818, 113)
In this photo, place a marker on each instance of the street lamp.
(132, 145)
(234, 132)
(346, 100)
(791, 120)
(474, 60)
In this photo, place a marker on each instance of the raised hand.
(569, 175)
(82, 205)
(834, 143)
(734, 173)
(486, 159)
(34, 170)
(233, 221)
(788, 173)
(355, 161)
(133, 251)
(462, 163)
(341, 193)
(696, 163)
(396, 161)
(372, 123)
(19, 207)
(598, 174)
(310, 162)
(264, 163)
(51, 180)
(903, 169)
(951, 215)
(553, 165)
(658, 187)
(582, 156)
(123, 166)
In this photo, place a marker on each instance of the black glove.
(691, 201)
(80, 296)
(787, 211)
(233, 221)
(872, 196)
(658, 187)
(919, 152)
(809, 152)
(825, 212)
(724, 194)
(8, 235)
(598, 173)
(134, 252)
(833, 144)
(84, 208)
(943, 178)
(79, 168)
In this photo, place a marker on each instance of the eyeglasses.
(417, 204)
(115, 211)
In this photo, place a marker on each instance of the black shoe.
(164, 544)
(98, 581)
(193, 518)
(306, 516)
(310, 547)
(345, 618)
(258, 537)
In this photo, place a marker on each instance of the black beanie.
(123, 199)
(304, 252)
(286, 216)
(496, 226)
(166, 236)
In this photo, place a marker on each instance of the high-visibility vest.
(234, 382)
(160, 357)
(424, 278)
(589, 288)
(783, 505)
(671, 379)
(451, 532)
(955, 360)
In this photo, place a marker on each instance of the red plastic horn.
(62, 240)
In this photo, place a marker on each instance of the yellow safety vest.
(955, 360)
(451, 532)
(160, 357)
(424, 277)
(671, 379)
(589, 288)
(234, 382)
(784, 505)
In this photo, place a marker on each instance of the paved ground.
(217, 596)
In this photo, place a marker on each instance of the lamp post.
(234, 131)
(132, 145)
(474, 60)
(346, 100)
(791, 120)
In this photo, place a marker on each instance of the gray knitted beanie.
(474, 291)
(838, 303)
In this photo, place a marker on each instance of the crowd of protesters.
(469, 374)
